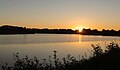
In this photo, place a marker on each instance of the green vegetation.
(108, 59)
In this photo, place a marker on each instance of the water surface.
(43, 45)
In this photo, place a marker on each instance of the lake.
(43, 45)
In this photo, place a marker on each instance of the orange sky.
(74, 14)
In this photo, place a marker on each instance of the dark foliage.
(7, 29)
(103, 32)
(108, 59)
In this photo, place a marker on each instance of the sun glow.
(79, 28)
(80, 23)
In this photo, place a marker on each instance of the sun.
(79, 28)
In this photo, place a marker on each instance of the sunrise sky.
(74, 14)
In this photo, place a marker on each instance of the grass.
(108, 59)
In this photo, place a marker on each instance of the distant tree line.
(7, 29)
(104, 32)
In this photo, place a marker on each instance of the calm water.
(43, 45)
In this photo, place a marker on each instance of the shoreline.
(63, 33)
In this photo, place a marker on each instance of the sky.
(73, 14)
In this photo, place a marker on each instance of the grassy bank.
(108, 59)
